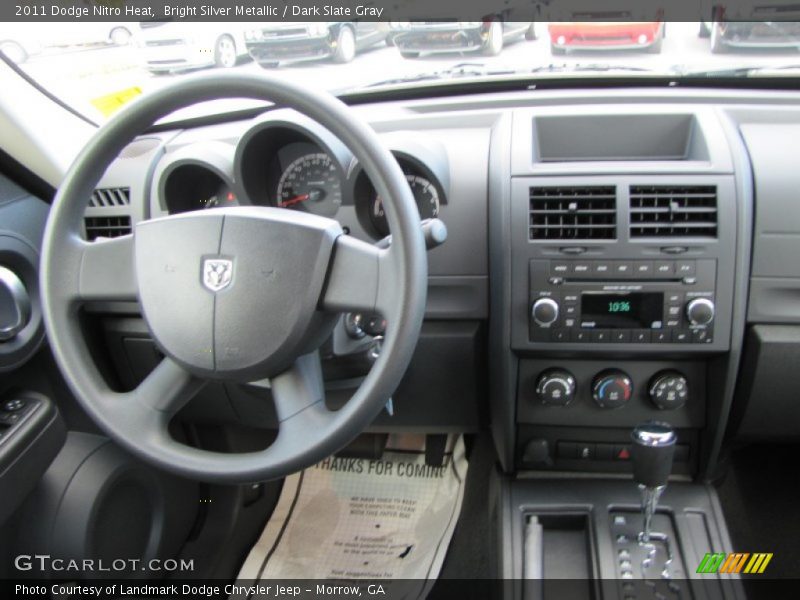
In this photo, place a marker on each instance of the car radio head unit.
(630, 301)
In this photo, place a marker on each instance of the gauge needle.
(295, 200)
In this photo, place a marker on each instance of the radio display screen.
(622, 310)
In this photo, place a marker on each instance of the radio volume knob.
(545, 311)
(700, 311)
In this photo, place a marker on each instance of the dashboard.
(610, 258)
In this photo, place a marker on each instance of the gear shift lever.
(652, 452)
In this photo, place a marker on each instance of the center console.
(621, 281)
(619, 230)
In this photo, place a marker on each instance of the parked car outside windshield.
(97, 67)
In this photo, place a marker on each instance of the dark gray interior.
(670, 250)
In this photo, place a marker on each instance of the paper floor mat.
(363, 519)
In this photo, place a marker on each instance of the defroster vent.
(673, 211)
(573, 213)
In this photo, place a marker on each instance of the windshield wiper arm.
(472, 69)
(454, 72)
(589, 68)
(741, 71)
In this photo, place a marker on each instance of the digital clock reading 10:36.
(619, 306)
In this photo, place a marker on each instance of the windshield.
(97, 67)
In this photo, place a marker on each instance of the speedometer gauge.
(311, 183)
(425, 194)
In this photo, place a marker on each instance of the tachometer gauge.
(311, 183)
(425, 194)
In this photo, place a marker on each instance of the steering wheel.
(234, 295)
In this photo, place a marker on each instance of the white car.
(177, 46)
(19, 41)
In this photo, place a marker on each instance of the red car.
(646, 35)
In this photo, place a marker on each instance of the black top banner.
(400, 10)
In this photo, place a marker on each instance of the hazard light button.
(622, 452)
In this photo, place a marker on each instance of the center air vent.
(106, 227)
(673, 211)
(105, 197)
(573, 213)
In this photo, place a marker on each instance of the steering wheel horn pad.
(243, 287)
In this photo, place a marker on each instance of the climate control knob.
(545, 311)
(612, 389)
(555, 387)
(669, 390)
(700, 311)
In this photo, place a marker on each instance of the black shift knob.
(652, 452)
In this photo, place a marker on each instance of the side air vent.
(106, 227)
(573, 213)
(673, 211)
(105, 197)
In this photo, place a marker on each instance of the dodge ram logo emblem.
(217, 273)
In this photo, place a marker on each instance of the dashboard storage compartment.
(603, 137)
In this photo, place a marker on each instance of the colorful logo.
(735, 562)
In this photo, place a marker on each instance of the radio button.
(672, 323)
(681, 336)
(685, 268)
(674, 298)
(660, 336)
(601, 336)
(640, 336)
(674, 310)
(569, 322)
(643, 268)
(559, 335)
(623, 268)
(621, 336)
(664, 267)
(571, 298)
(602, 268)
(559, 268)
(581, 335)
(581, 268)
(570, 310)
(702, 336)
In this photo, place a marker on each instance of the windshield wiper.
(479, 70)
(588, 68)
(454, 72)
(753, 70)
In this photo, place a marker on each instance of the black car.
(273, 43)
(488, 37)
(727, 35)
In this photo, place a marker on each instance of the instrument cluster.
(290, 162)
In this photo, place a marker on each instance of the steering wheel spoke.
(168, 387)
(360, 278)
(107, 271)
(299, 387)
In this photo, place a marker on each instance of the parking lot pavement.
(80, 75)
